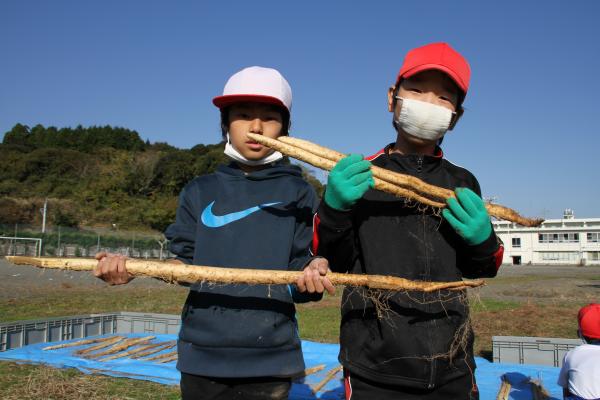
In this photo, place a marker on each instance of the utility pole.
(13, 241)
(132, 245)
(43, 211)
(162, 241)
(58, 246)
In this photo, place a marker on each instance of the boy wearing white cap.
(241, 341)
(421, 345)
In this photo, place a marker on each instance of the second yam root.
(400, 185)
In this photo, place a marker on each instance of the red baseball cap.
(438, 56)
(589, 321)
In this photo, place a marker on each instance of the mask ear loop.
(399, 100)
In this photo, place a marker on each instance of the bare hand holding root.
(314, 277)
(111, 269)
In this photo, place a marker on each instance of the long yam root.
(161, 347)
(162, 356)
(122, 346)
(102, 345)
(168, 359)
(394, 183)
(330, 375)
(504, 392)
(383, 174)
(328, 164)
(131, 352)
(77, 343)
(179, 273)
(309, 371)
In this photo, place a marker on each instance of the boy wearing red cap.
(580, 373)
(241, 341)
(419, 345)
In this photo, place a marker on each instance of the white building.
(568, 240)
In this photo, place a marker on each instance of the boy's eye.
(444, 98)
(415, 90)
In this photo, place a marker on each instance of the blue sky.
(153, 66)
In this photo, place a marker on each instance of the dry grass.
(523, 320)
(45, 302)
(24, 382)
(492, 315)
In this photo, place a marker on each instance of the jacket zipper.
(431, 383)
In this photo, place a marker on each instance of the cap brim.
(453, 75)
(227, 100)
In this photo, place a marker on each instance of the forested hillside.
(97, 176)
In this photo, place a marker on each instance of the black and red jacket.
(412, 341)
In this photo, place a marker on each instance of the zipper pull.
(419, 163)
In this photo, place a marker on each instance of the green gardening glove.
(468, 216)
(348, 181)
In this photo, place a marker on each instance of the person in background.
(580, 374)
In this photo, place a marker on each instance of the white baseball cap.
(256, 84)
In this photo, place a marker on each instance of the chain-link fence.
(27, 240)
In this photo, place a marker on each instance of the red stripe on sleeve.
(498, 255)
(347, 385)
(315, 240)
(374, 156)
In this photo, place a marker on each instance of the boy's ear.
(391, 99)
(456, 117)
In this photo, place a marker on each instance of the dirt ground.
(546, 284)
(18, 281)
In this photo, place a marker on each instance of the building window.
(558, 238)
(559, 256)
(593, 237)
(593, 255)
(516, 242)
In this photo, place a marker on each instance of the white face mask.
(423, 120)
(235, 155)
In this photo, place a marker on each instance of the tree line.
(98, 176)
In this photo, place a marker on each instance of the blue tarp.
(488, 374)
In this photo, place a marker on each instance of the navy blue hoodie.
(257, 220)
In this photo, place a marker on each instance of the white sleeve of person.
(580, 372)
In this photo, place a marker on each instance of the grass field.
(318, 322)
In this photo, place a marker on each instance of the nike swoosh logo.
(216, 221)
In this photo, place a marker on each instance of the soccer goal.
(20, 246)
